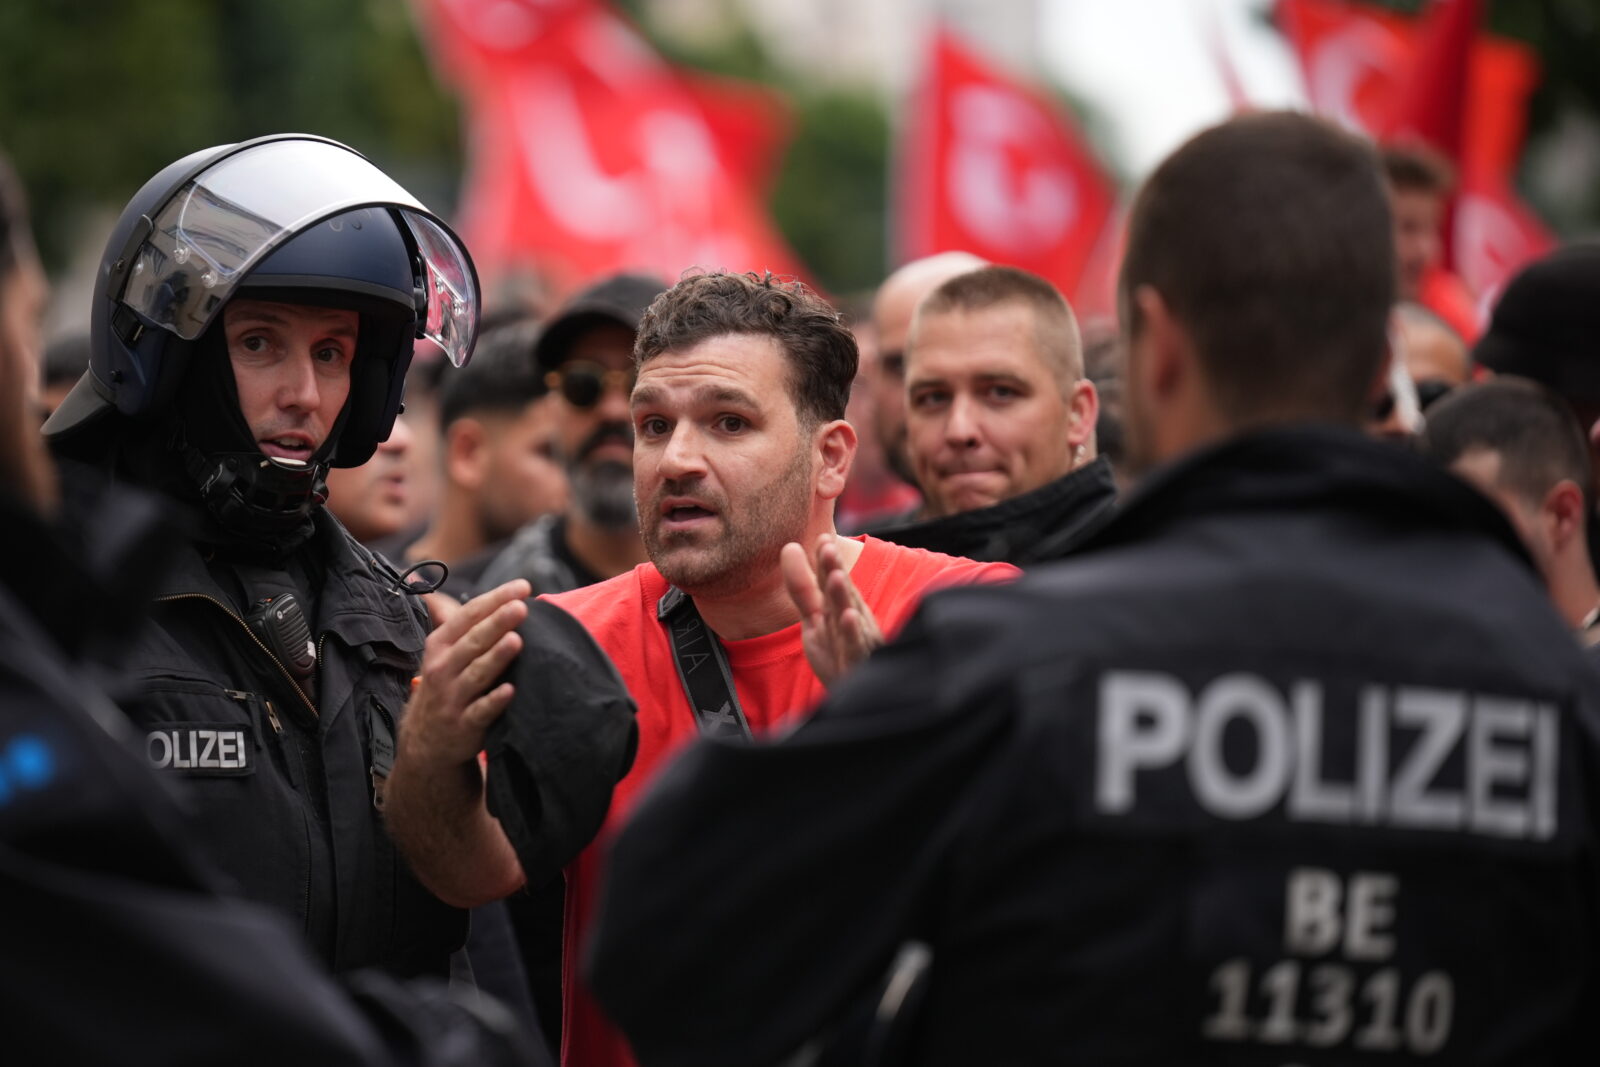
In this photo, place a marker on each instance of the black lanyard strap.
(711, 694)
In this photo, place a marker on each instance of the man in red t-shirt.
(741, 450)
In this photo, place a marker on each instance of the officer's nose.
(297, 383)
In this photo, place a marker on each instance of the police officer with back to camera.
(1295, 764)
(253, 321)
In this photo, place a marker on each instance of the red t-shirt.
(774, 682)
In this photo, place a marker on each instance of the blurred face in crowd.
(291, 365)
(987, 416)
(892, 319)
(595, 432)
(1418, 219)
(724, 467)
(24, 464)
(1435, 357)
(892, 310)
(521, 476)
(374, 500)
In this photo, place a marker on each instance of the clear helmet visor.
(225, 220)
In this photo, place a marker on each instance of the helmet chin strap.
(261, 499)
(257, 497)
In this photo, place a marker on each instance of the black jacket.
(1045, 524)
(118, 946)
(285, 784)
(1295, 763)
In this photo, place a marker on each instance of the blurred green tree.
(96, 96)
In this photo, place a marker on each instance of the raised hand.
(837, 628)
(452, 703)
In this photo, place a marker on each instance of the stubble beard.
(750, 540)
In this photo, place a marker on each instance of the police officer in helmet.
(253, 320)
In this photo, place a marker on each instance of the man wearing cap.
(586, 356)
(751, 602)
(1543, 327)
(1295, 764)
(497, 460)
(253, 321)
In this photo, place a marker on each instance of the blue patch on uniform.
(30, 762)
(27, 763)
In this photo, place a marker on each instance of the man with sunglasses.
(586, 357)
(750, 604)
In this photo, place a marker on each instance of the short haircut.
(1055, 327)
(813, 337)
(1535, 433)
(499, 378)
(1269, 239)
(15, 234)
(1414, 167)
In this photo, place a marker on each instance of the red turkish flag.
(1431, 101)
(589, 154)
(1381, 73)
(993, 167)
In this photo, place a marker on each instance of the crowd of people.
(690, 674)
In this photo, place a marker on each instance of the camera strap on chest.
(703, 668)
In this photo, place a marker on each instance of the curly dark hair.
(820, 348)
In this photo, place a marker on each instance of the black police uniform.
(286, 778)
(1296, 764)
(119, 946)
(1038, 526)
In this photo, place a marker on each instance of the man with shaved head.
(1000, 421)
(892, 309)
(1295, 764)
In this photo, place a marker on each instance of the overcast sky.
(1147, 67)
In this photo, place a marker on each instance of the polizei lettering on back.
(198, 748)
(1503, 752)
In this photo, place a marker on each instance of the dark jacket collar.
(1305, 467)
(359, 599)
(1043, 524)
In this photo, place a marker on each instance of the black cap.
(620, 299)
(1546, 325)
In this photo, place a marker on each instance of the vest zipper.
(288, 677)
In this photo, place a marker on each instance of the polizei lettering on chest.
(201, 749)
(1410, 757)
